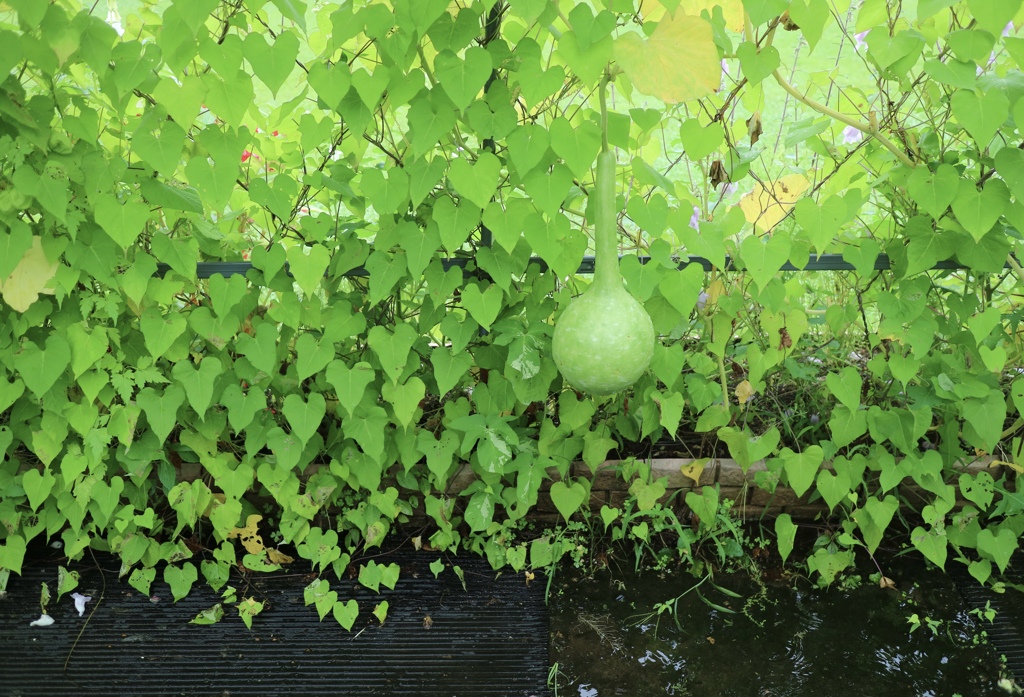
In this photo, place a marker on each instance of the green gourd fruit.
(604, 340)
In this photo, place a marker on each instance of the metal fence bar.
(824, 262)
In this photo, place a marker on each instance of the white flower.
(729, 189)
(695, 219)
(859, 39)
(1008, 29)
(43, 621)
(852, 135)
(80, 601)
(725, 65)
(702, 301)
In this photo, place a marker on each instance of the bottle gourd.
(604, 340)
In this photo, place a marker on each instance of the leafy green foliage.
(143, 404)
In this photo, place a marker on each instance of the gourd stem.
(606, 250)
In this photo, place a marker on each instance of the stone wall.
(751, 502)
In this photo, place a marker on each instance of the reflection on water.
(773, 641)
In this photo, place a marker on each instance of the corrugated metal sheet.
(490, 639)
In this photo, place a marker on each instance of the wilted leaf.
(765, 207)
(251, 539)
(29, 278)
(744, 391)
(277, 557)
(695, 469)
(678, 62)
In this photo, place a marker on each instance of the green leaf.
(980, 115)
(349, 383)
(846, 386)
(998, 546)
(548, 189)
(306, 416)
(261, 347)
(311, 356)
(704, 505)
(161, 148)
(811, 16)
(198, 384)
(802, 468)
(180, 579)
(527, 146)
(124, 223)
(229, 98)
(346, 613)
(757, 64)
(37, 486)
(293, 10)
(1010, 165)
(576, 145)
(272, 63)
(568, 499)
(392, 349)
(746, 448)
(161, 408)
(449, 369)
(477, 182)
(977, 210)
(242, 408)
(463, 78)
(764, 257)
(429, 122)
(700, 141)
(483, 306)
(161, 332)
(993, 16)
(439, 454)
(387, 194)
(405, 399)
(822, 222)
(761, 11)
(785, 534)
(682, 289)
(40, 368)
(833, 487)
(331, 82)
(308, 265)
(368, 428)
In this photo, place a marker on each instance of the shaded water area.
(781, 638)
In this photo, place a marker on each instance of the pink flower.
(246, 155)
(695, 219)
(852, 135)
(859, 39)
(728, 189)
(1008, 29)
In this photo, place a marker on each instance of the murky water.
(776, 639)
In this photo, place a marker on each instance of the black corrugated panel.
(1006, 631)
(488, 640)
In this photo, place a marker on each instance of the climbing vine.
(410, 184)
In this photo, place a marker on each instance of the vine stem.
(869, 128)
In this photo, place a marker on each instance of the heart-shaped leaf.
(161, 332)
(349, 383)
(477, 182)
(677, 63)
(801, 468)
(527, 145)
(346, 613)
(304, 416)
(932, 544)
(568, 499)
(764, 256)
(463, 78)
(846, 386)
(998, 546)
(124, 223)
(833, 487)
(981, 115)
(484, 307)
(40, 368)
(272, 63)
(576, 145)
(978, 210)
(307, 265)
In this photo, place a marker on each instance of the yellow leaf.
(744, 391)
(251, 539)
(765, 207)
(1011, 465)
(278, 557)
(29, 278)
(732, 10)
(677, 63)
(695, 469)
